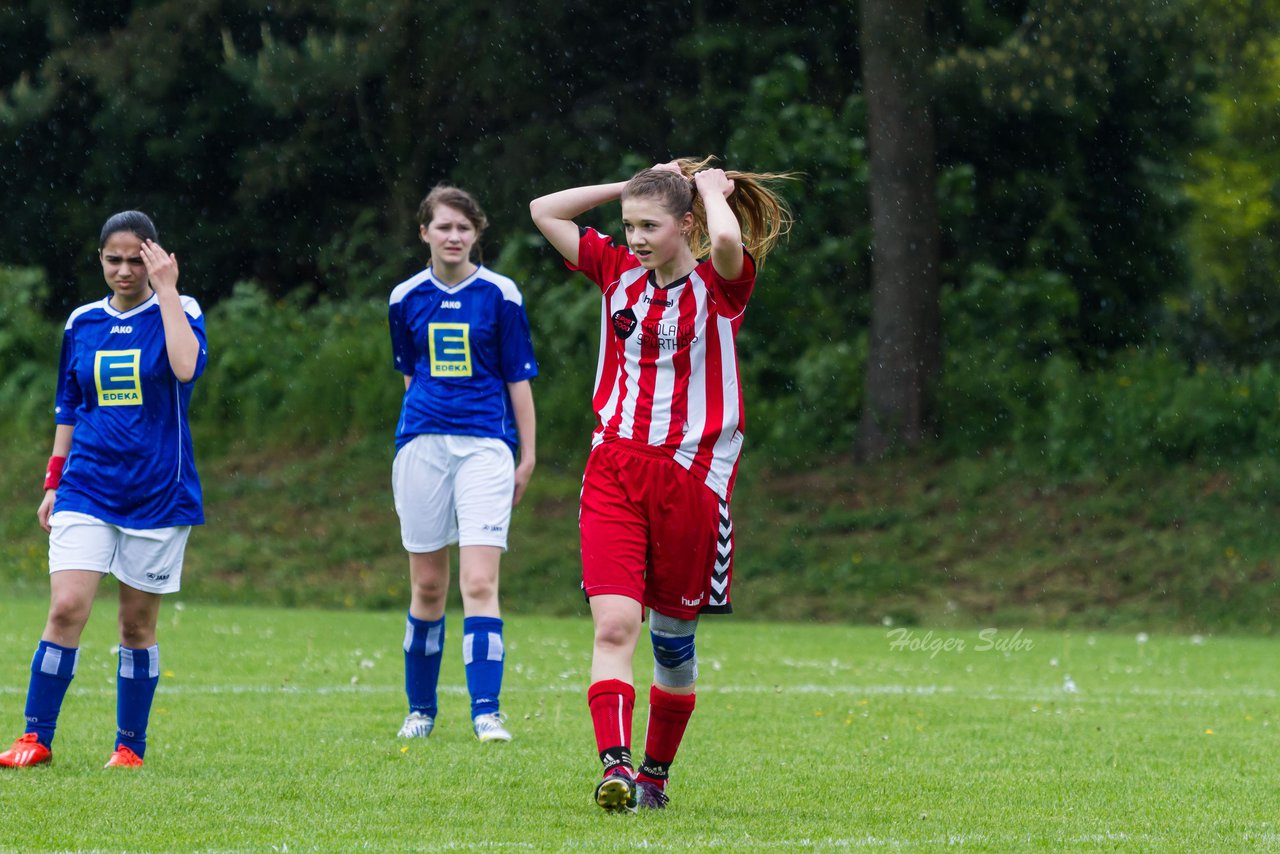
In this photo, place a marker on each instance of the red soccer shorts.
(653, 532)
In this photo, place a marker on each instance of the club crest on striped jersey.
(624, 323)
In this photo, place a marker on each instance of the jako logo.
(451, 303)
(125, 330)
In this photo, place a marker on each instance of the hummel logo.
(657, 300)
(120, 330)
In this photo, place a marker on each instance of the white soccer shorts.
(149, 560)
(453, 489)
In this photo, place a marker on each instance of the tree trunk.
(904, 354)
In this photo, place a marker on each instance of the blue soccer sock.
(136, 682)
(482, 657)
(51, 670)
(423, 645)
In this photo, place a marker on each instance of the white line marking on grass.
(915, 690)
(954, 840)
(828, 690)
(1181, 695)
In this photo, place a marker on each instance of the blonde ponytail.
(762, 213)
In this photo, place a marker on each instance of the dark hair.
(132, 221)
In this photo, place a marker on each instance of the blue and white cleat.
(490, 727)
(417, 725)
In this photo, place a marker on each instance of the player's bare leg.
(617, 630)
(428, 583)
(71, 594)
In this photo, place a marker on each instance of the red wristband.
(53, 474)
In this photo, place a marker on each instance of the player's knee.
(479, 588)
(136, 637)
(615, 632)
(675, 660)
(136, 631)
(68, 613)
(429, 592)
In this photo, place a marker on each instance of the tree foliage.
(1105, 167)
(1229, 311)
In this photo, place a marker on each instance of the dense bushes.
(28, 352)
(307, 371)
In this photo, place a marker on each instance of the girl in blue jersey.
(121, 490)
(460, 336)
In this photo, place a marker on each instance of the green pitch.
(273, 730)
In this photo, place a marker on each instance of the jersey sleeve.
(732, 295)
(600, 259)
(518, 362)
(403, 352)
(196, 318)
(69, 396)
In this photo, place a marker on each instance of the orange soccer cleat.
(123, 757)
(26, 751)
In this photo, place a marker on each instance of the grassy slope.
(273, 730)
(971, 542)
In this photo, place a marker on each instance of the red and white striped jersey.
(668, 369)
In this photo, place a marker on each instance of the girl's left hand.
(524, 472)
(162, 268)
(712, 181)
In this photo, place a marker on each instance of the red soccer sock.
(668, 716)
(612, 703)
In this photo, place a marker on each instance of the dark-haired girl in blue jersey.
(121, 490)
(460, 336)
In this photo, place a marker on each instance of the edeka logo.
(118, 375)
(450, 349)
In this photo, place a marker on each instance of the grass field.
(959, 543)
(273, 730)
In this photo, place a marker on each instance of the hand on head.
(162, 268)
(713, 181)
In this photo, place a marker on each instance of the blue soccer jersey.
(461, 344)
(131, 461)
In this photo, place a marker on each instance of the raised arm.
(180, 342)
(723, 229)
(554, 214)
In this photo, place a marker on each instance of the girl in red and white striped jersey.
(655, 524)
